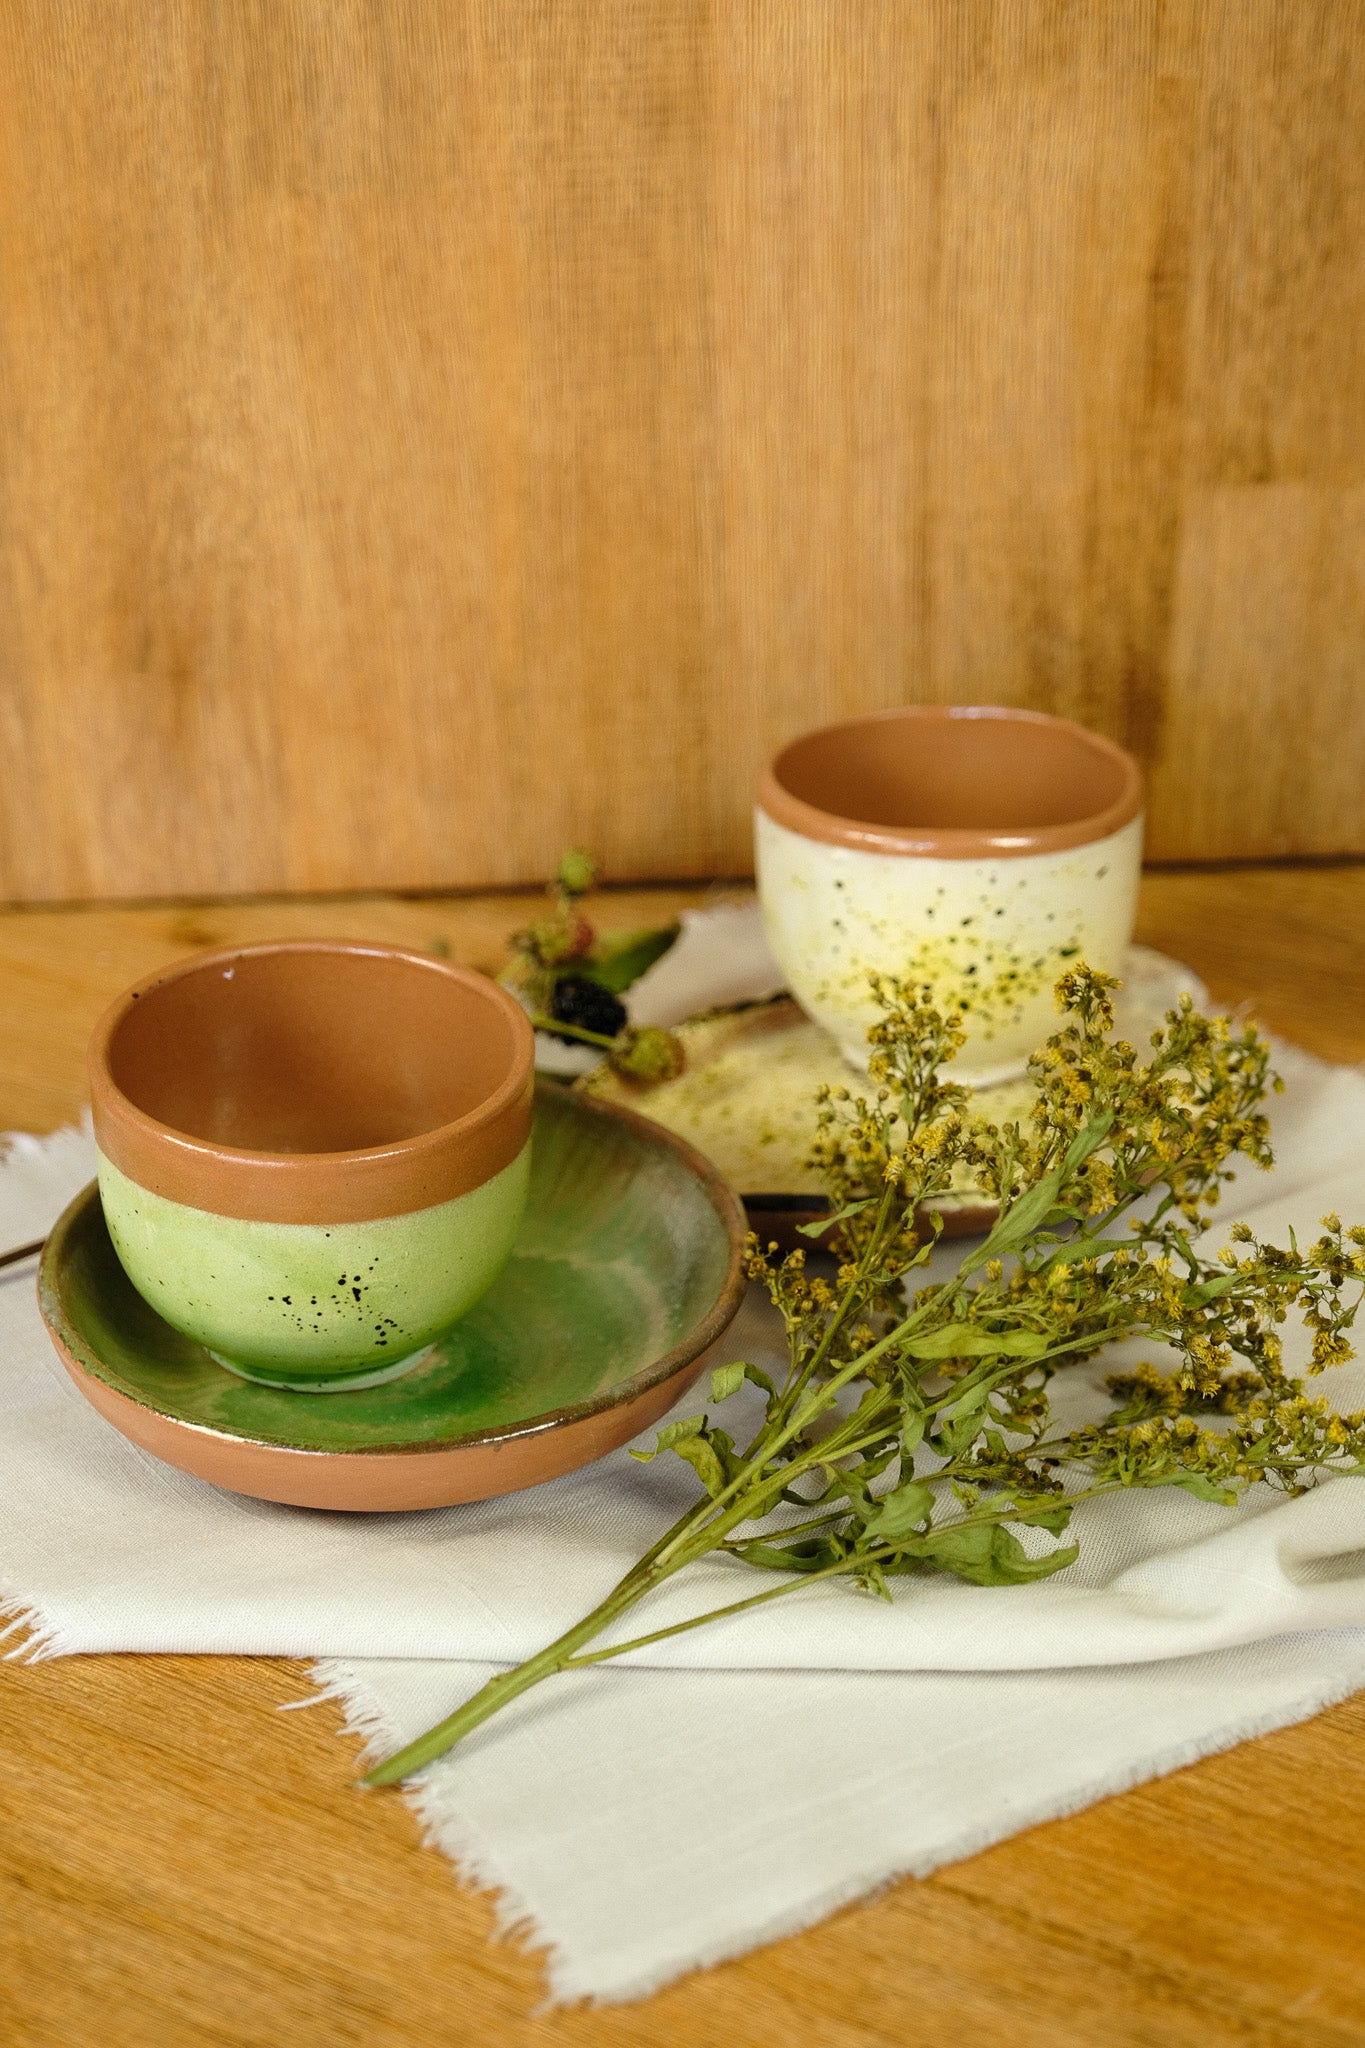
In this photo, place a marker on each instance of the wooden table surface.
(181, 1864)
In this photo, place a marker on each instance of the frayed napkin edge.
(569, 1983)
(475, 1865)
(41, 1636)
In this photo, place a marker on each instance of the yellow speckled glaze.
(989, 936)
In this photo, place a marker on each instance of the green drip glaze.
(619, 1257)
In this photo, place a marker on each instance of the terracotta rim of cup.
(392, 1176)
(1069, 786)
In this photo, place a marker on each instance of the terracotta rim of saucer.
(953, 782)
(440, 1074)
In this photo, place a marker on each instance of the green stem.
(559, 1656)
(501, 1690)
(579, 1031)
(703, 1529)
(715, 1515)
(668, 1556)
(564, 1653)
(679, 1628)
(644, 1575)
(785, 1533)
(692, 1536)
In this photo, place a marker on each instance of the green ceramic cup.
(313, 1156)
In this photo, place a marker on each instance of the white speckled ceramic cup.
(970, 848)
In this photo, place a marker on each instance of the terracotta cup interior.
(312, 1049)
(967, 776)
(313, 1081)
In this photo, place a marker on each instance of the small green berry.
(555, 939)
(648, 1053)
(576, 873)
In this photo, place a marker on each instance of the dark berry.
(578, 1000)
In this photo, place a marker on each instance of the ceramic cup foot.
(345, 1383)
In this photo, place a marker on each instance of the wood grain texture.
(179, 1864)
(431, 436)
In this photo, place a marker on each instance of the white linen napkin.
(755, 1752)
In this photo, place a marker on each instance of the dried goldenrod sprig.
(912, 1431)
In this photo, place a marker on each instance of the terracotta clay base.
(362, 1482)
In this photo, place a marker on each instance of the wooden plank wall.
(434, 433)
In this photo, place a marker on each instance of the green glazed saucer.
(628, 1267)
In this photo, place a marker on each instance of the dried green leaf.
(972, 1340)
(619, 958)
(899, 1513)
(1052, 1515)
(1030, 1212)
(728, 1379)
(671, 1435)
(1200, 1485)
(818, 1228)
(812, 1554)
(989, 1555)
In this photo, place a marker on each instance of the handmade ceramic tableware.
(747, 1098)
(627, 1268)
(972, 849)
(313, 1155)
